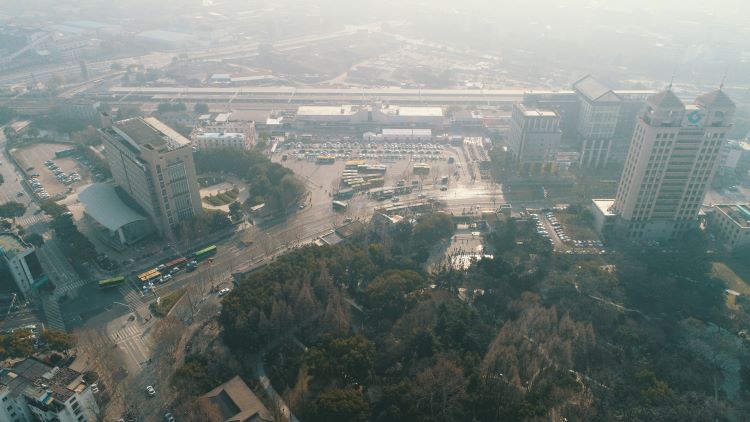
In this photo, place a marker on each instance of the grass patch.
(575, 227)
(734, 282)
(167, 303)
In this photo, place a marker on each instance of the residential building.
(233, 401)
(597, 121)
(32, 390)
(23, 263)
(672, 158)
(154, 165)
(731, 224)
(534, 139)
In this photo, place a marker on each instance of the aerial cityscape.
(334, 211)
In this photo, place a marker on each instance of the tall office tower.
(154, 165)
(670, 164)
(597, 121)
(534, 139)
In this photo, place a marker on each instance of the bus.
(339, 205)
(111, 282)
(205, 252)
(175, 262)
(149, 275)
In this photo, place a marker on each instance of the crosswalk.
(30, 219)
(125, 334)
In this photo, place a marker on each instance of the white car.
(150, 391)
(223, 292)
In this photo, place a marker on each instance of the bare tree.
(440, 390)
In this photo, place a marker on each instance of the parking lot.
(51, 177)
(549, 227)
(302, 158)
(416, 151)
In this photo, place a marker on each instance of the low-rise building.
(226, 123)
(219, 140)
(233, 401)
(22, 262)
(731, 224)
(32, 390)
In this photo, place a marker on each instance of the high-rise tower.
(671, 161)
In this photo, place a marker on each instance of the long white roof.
(104, 206)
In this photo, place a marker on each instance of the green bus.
(111, 282)
(205, 252)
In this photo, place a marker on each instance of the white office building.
(731, 224)
(672, 158)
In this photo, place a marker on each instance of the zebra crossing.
(30, 219)
(125, 334)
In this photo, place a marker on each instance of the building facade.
(226, 123)
(220, 140)
(23, 263)
(672, 158)
(32, 390)
(154, 165)
(731, 224)
(534, 139)
(597, 121)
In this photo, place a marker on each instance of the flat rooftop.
(344, 110)
(604, 206)
(151, 133)
(738, 213)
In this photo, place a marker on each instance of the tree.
(201, 108)
(35, 239)
(339, 405)
(126, 112)
(440, 391)
(59, 341)
(86, 137)
(388, 294)
(12, 210)
(6, 114)
(350, 359)
(235, 211)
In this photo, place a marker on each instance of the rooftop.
(40, 381)
(738, 213)
(665, 99)
(105, 206)
(234, 401)
(594, 90)
(413, 111)
(604, 206)
(344, 110)
(150, 133)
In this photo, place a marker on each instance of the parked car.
(168, 417)
(223, 292)
(150, 391)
